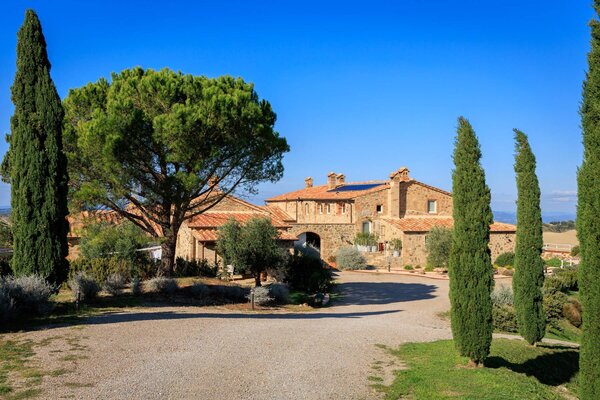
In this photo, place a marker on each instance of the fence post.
(252, 297)
(77, 300)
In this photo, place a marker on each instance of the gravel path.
(215, 353)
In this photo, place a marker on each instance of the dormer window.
(379, 208)
(432, 206)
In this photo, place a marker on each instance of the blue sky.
(359, 87)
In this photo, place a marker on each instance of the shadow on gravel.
(367, 293)
(170, 315)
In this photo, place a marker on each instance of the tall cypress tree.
(470, 266)
(529, 266)
(35, 164)
(588, 222)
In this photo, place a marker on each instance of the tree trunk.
(167, 260)
(257, 279)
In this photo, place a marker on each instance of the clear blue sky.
(359, 87)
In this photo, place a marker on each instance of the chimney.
(331, 180)
(309, 182)
(401, 175)
(341, 179)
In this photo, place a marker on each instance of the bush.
(114, 283)
(101, 268)
(505, 318)
(25, 295)
(505, 259)
(508, 272)
(86, 286)
(438, 244)
(5, 268)
(101, 239)
(408, 267)
(575, 251)
(185, 268)
(305, 272)
(503, 296)
(568, 277)
(136, 286)
(199, 290)
(280, 293)
(349, 258)
(261, 296)
(553, 307)
(365, 239)
(162, 285)
(572, 312)
(553, 262)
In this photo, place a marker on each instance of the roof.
(216, 219)
(424, 224)
(279, 213)
(345, 191)
(211, 235)
(78, 221)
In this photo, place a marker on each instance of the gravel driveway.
(214, 353)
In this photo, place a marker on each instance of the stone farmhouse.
(329, 216)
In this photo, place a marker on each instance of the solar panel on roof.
(354, 188)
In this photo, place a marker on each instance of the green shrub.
(185, 268)
(85, 286)
(279, 292)
(199, 290)
(505, 318)
(396, 244)
(101, 268)
(106, 240)
(553, 307)
(162, 285)
(568, 277)
(429, 268)
(349, 258)
(438, 244)
(365, 239)
(408, 267)
(306, 273)
(553, 262)
(552, 284)
(575, 251)
(5, 268)
(505, 259)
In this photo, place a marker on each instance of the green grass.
(14, 356)
(514, 370)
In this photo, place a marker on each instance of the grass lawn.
(514, 370)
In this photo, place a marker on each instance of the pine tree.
(470, 266)
(529, 266)
(588, 222)
(35, 164)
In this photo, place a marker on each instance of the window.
(328, 208)
(306, 208)
(366, 227)
(379, 208)
(320, 208)
(431, 206)
(343, 208)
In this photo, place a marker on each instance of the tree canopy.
(588, 223)
(160, 147)
(250, 247)
(470, 266)
(35, 165)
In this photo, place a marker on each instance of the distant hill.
(510, 217)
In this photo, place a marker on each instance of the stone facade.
(400, 207)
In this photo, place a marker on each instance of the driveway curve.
(215, 353)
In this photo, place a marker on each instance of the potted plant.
(396, 245)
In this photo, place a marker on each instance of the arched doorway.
(309, 239)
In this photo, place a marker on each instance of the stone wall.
(414, 197)
(333, 236)
(501, 242)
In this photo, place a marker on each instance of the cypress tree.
(588, 222)
(470, 267)
(529, 266)
(35, 164)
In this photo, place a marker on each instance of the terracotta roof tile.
(278, 213)
(424, 224)
(215, 219)
(322, 192)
